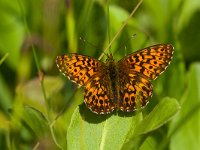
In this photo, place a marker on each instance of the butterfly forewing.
(78, 68)
(150, 61)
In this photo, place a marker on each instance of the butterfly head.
(109, 58)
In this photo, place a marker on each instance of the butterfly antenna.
(124, 43)
(125, 23)
(87, 42)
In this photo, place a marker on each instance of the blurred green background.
(37, 102)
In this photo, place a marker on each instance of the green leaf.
(36, 121)
(162, 113)
(185, 128)
(91, 131)
(149, 144)
(12, 32)
(188, 30)
(41, 127)
(32, 95)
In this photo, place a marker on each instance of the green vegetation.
(42, 109)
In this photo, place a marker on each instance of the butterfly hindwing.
(98, 95)
(134, 91)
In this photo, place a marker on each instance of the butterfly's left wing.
(136, 72)
(98, 95)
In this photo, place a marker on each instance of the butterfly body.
(117, 85)
(112, 70)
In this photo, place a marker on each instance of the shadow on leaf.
(91, 117)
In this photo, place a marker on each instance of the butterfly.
(117, 85)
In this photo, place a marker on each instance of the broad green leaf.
(150, 143)
(185, 128)
(40, 126)
(91, 131)
(162, 113)
(36, 121)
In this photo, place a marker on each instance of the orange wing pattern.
(78, 68)
(90, 73)
(135, 72)
(150, 61)
(98, 95)
(134, 91)
(124, 85)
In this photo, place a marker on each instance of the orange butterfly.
(117, 85)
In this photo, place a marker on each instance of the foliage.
(41, 109)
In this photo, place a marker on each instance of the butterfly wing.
(78, 68)
(98, 94)
(136, 72)
(134, 91)
(91, 73)
(149, 62)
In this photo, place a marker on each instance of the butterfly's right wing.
(90, 73)
(78, 68)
